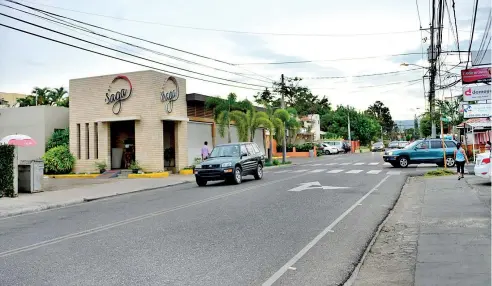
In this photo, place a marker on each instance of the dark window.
(243, 150)
(423, 145)
(436, 144)
(450, 144)
(250, 149)
(78, 141)
(96, 139)
(87, 141)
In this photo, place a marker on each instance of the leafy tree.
(451, 109)
(297, 96)
(292, 124)
(425, 125)
(416, 127)
(383, 115)
(45, 96)
(222, 111)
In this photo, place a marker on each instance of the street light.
(407, 64)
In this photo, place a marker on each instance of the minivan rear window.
(450, 144)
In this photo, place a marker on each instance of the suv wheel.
(259, 172)
(238, 176)
(403, 162)
(327, 152)
(201, 182)
(450, 162)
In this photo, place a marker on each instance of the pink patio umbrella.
(18, 140)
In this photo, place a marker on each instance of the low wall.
(294, 153)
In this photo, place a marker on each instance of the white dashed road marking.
(354, 171)
(358, 164)
(317, 170)
(373, 164)
(345, 164)
(299, 171)
(334, 171)
(330, 164)
(283, 171)
(374, 172)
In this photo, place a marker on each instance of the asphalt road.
(257, 233)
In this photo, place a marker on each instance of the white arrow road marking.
(334, 171)
(305, 186)
(354, 172)
(314, 185)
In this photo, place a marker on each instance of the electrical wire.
(130, 36)
(456, 26)
(223, 30)
(76, 27)
(371, 86)
(329, 60)
(361, 75)
(481, 51)
(474, 20)
(121, 59)
(129, 54)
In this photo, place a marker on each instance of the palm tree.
(222, 111)
(42, 95)
(292, 124)
(57, 97)
(277, 118)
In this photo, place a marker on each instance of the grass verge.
(439, 173)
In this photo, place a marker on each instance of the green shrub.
(58, 160)
(7, 154)
(58, 138)
(439, 172)
(268, 163)
(275, 162)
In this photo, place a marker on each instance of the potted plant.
(134, 167)
(101, 166)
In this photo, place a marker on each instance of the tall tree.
(382, 115)
(425, 125)
(46, 96)
(57, 97)
(277, 118)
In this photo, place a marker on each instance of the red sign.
(476, 75)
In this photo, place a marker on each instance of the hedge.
(7, 154)
(58, 138)
(299, 147)
(58, 160)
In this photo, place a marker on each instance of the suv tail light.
(486, 161)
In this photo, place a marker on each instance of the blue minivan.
(422, 151)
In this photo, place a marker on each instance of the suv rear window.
(255, 147)
(250, 149)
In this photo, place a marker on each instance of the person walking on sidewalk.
(460, 158)
(205, 151)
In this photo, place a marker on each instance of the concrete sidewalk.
(437, 234)
(26, 203)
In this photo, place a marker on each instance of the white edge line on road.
(135, 219)
(313, 242)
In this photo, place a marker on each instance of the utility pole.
(382, 140)
(284, 139)
(433, 55)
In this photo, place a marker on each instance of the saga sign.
(119, 96)
(476, 93)
(169, 94)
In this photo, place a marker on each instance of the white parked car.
(482, 165)
(329, 149)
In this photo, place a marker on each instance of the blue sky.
(28, 61)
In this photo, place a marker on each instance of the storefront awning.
(175, 118)
(120, 118)
(476, 123)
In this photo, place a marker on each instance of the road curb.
(79, 201)
(353, 276)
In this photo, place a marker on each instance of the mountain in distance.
(404, 124)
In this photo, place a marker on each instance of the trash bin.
(30, 176)
(311, 153)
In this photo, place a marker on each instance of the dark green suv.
(230, 162)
